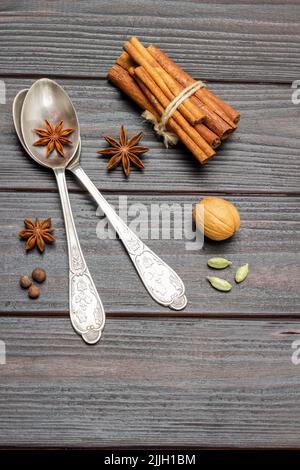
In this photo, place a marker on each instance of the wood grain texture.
(269, 240)
(262, 155)
(211, 41)
(156, 379)
(173, 382)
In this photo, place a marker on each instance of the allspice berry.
(39, 275)
(33, 292)
(25, 282)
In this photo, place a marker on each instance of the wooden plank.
(269, 240)
(177, 382)
(263, 155)
(210, 40)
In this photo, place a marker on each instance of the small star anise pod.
(37, 233)
(54, 137)
(124, 151)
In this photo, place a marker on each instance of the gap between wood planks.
(128, 447)
(36, 76)
(176, 192)
(168, 315)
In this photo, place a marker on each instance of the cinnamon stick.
(233, 114)
(211, 138)
(215, 124)
(122, 79)
(142, 96)
(174, 127)
(125, 61)
(226, 112)
(152, 71)
(172, 84)
(153, 80)
(142, 74)
(119, 76)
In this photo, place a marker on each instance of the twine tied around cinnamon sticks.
(160, 126)
(180, 107)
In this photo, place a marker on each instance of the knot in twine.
(160, 125)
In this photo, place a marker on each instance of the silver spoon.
(47, 100)
(162, 283)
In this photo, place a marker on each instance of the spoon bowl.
(16, 110)
(48, 100)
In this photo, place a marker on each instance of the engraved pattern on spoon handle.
(161, 281)
(86, 309)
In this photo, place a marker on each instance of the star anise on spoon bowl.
(125, 151)
(54, 137)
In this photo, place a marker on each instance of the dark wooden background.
(218, 374)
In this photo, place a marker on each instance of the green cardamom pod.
(219, 284)
(218, 263)
(242, 273)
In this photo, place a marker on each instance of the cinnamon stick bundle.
(153, 81)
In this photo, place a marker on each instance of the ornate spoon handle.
(162, 283)
(86, 309)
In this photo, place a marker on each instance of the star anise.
(37, 233)
(124, 151)
(54, 137)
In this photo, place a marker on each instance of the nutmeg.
(217, 218)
